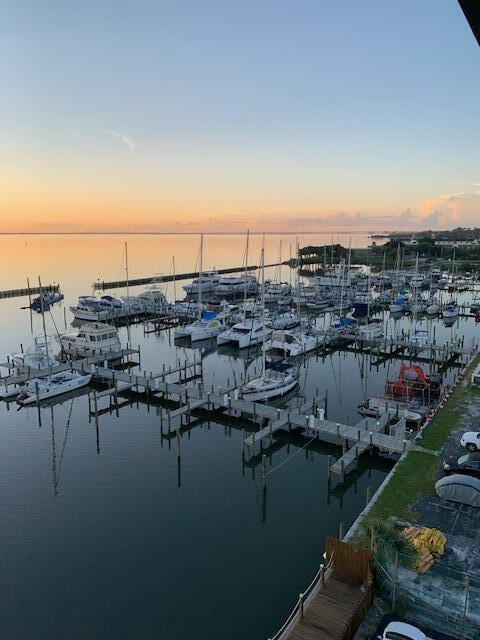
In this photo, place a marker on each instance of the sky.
(221, 116)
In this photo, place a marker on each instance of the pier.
(135, 282)
(29, 291)
(337, 599)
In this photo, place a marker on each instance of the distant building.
(456, 243)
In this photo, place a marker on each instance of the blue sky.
(213, 114)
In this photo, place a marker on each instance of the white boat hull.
(53, 390)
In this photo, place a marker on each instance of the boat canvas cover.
(459, 488)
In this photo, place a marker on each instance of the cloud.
(124, 139)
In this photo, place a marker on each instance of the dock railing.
(304, 600)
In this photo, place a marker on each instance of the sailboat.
(37, 356)
(208, 325)
(275, 381)
(38, 389)
(250, 331)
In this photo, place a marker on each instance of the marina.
(171, 413)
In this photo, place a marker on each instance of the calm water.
(110, 538)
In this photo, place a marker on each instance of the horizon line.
(190, 233)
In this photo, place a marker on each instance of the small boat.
(344, 325)
(38, 356)
(93, 338)
(432, 308)
(286, 320)
(38, 389)
(274, 383)
(373, 329)
(398, 306)
(450, 310)
(46, 300)
(419, 339)
(287, 344)
(208, 326)
(245, 334)
(362, 304)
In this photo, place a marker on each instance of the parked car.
(471, 440)
(469, 464)
(402, 631)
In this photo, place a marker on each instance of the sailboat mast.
(246, 276)
(298, 278)
(174, 280)
(126, 270)
(42, 308)
(263, 304)
(200, 279)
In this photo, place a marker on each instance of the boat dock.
(29, 291)
(135, 282)
(83, 365)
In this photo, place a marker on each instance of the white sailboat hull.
(51, 390)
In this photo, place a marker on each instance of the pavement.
(459, 522)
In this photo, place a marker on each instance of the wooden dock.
(337, 599)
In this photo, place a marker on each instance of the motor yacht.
(93, 338)
(245, 334)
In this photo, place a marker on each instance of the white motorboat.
(38, 389)
(286, 320)
(208, 326)
(184, 309)
(274, 383)
(205, 283)
(232, 287)
(450, 310)
(419, 339)
(245, 334)
(93, 338)
(286, 344)
(37, 356)
(276, 290)
(101, 309)
(373, 329)
(152, 300)
(432, 308)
